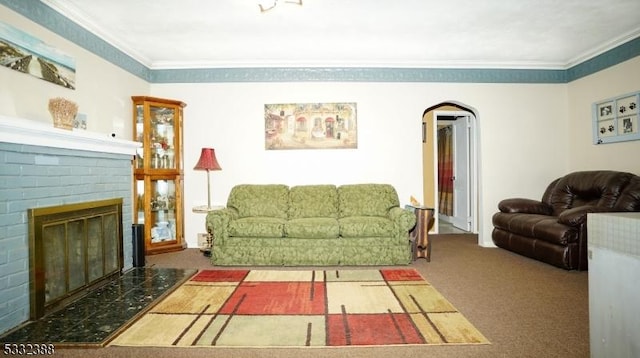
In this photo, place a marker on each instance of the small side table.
(419, 235)
(203, 209)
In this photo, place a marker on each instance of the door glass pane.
(139, 217)
(76, 253)
(163, 211)
(54, 267)
(162, 138)
(95, 247)
(138, 135)
(111, 237)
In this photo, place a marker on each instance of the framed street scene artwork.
(616, 119)
(310, 126)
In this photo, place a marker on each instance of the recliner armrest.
(525, 206)
(578, 215)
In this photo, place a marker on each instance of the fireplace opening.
(72, 249)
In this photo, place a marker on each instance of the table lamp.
(208, 162)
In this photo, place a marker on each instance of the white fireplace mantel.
(25, 131)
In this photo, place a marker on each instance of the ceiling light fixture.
(265, 8)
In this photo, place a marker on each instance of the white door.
(461, 174)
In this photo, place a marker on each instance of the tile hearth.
(96, 317)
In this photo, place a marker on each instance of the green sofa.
(273, 224)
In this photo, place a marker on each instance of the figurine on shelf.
(164, 143)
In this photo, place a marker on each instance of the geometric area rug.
(298, 308)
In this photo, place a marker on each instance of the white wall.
(103, 90)
(612, 82)
(522, 127)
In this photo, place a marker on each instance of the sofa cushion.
(269, 200)
(365, 226)
(312, 228)
(257, 226)
(543, 227)
(366, 199)
(310, 201)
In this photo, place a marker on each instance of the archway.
(465, 192)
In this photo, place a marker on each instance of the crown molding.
(610, 58)
(611, 45)
(50, 19)
(76, 16)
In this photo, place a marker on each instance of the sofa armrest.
(218, 223)
(403, 220)
(578, 215)
(524, 206)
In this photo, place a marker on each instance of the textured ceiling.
(546, 34)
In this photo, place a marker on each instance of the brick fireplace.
(42, 166)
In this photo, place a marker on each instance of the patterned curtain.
(445, 171)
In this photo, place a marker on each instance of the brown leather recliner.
(554, 229)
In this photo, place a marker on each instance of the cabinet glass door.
(163, 211)
(157, 126)
(162, 137)
(139, 135)
(139, 208)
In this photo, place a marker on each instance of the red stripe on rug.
(271, 298)
(371, 329)
(220, 275)
(401, 275)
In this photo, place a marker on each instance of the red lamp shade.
(207, 160)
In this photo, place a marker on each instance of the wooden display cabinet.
(158, 173)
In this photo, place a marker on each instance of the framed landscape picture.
(310, 126)
(27, 54)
